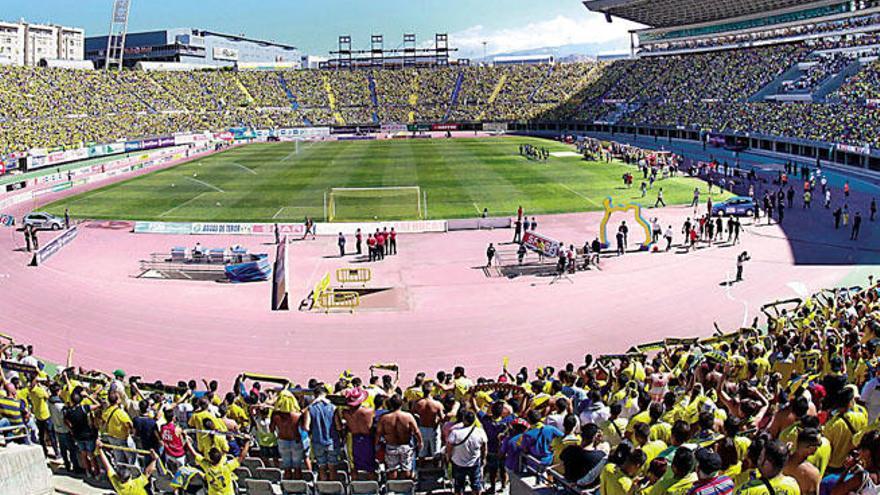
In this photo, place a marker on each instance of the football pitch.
(286, 182)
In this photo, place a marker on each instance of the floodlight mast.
(116, 36)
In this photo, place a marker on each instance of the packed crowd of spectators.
(791, 406)
(777, 33)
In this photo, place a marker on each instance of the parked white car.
(43, 221)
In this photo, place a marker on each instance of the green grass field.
(288, 181)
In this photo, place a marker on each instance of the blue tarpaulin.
(254, 271)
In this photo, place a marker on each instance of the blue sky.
(313, 25)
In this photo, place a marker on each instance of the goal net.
(346, 204)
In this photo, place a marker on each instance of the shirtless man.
(294, 455)
(430, 414)
(358, 421)
(798, 467)
(398, 429)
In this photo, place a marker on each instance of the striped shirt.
(12, 409)
(719, 485)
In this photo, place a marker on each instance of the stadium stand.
(799, 393)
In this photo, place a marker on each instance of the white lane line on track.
(181, 205)
(579, 194)
(206, 184)
(243, 167)
(734, 299)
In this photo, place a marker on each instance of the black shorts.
(269, 452)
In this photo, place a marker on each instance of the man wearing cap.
(709, 480)
(400, 432)
(430, 414)
(358, 421)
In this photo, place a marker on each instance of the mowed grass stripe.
(460, 177)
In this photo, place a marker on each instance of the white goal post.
(375, 203)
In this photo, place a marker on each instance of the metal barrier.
(354, 276)
(6, 437)
(335, 299)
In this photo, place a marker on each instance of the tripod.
(561, 274)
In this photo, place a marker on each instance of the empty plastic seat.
(252, 463)
(330, 488)
(364, 487)
(269, 474)
(295, 487)
(259, 487)
(400, 487)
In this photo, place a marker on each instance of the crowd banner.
(392, 128)
(54, 246)
(848, 148)
(541, 244)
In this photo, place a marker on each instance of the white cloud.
(558, 31)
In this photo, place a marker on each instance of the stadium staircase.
(773, 88)
(834, 82)
(290, 96)
(247, 94)
(414, 98)
(541, 84)
(374, 98)
(494, 96)
(453, 100)
(331, 98)
(138, 96)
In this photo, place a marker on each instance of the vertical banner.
(279, 278)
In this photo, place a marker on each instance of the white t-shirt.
(871, 397)
(467, 453)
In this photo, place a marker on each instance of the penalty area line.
(278, 212)
(206, 184)
(578, 194)
(243, 167)
(181, 205)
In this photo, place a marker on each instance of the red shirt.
(380, 240)
(172, 441)
(371, 241)
(393, 235)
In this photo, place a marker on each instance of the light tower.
(116, 36)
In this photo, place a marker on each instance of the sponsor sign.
(54, 246)
(418, 127)
(541, 244)
(495, 126)
(444, 127)
(7, 220)
(149, 144)
(392, 128)
(62, 187)
(224, 136)
(848, 148)
(224, 53)
(290, 229)
(188, 228)
(132, 145)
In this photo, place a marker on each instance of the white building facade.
(22, 43)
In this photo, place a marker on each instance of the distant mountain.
(568, 53)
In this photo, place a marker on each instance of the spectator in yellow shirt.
(117, 428)
(219, 472)
(38, 397)
(122, 480)
(844, 424)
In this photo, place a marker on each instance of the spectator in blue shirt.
(323, 434)
(536, 441)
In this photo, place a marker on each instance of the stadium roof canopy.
(669, 13)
